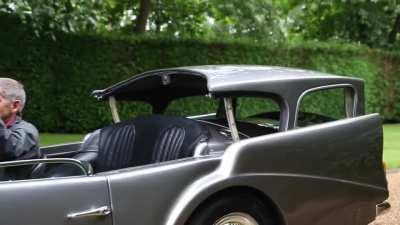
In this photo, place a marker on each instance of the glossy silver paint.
(325, 174)
(299, 176)
(50, 201)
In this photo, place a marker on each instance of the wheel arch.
(241, 189)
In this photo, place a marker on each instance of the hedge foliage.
(59, 75)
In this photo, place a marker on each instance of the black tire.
(242, 203)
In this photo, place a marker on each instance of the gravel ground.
(391, 216)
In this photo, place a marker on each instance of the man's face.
(8, 108)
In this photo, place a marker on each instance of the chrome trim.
(102, 211)
(201, 116)
(60, 153)
(114, 110)
(198, 151)
(87, 171)
(231, 119)
(61, 145)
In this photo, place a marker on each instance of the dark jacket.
(20, 141)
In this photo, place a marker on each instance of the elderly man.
(18, 138)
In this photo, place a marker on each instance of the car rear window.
(322, 106)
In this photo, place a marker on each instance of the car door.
(325, 174)
(74, 200)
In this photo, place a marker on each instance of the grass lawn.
(53, 139)
(391, 142)
(391, 145)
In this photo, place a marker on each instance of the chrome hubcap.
(236, 218)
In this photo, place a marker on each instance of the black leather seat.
(162, 138)
(116, 147)
(141, 141)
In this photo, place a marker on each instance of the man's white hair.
(12, 90)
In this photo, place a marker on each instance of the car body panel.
(152, 190)
(49, 201)
(286, 82)
(171, 191)
(324, 174)
(332, 153)
(272, 175)
(159, 87)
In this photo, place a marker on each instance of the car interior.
(158, 138)
(152, 139)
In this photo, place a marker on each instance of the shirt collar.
(11, 121)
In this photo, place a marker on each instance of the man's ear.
(16, 106)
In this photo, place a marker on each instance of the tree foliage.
(371, 22)
(366, 21)
(180, 18)
(63, 15)
(258, 19)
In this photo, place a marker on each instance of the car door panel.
(349, 149)
(49, 201)
(334, 167)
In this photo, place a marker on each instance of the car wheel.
(238, 209)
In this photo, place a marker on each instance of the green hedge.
(60, 75)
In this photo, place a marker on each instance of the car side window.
(130, 109)
(322, 106)
(260, 111)
(252, 106)
(192, 106)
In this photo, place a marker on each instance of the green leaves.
(47, 16)
(367, 21)
(257, 19)
(370, 22)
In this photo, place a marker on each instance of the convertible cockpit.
(241, 103)
(153, 139)
(216, 145)
(237, 107)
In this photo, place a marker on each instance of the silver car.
(262, 152)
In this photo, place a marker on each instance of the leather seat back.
(142, 141)
(116, 147)
(162, 138)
